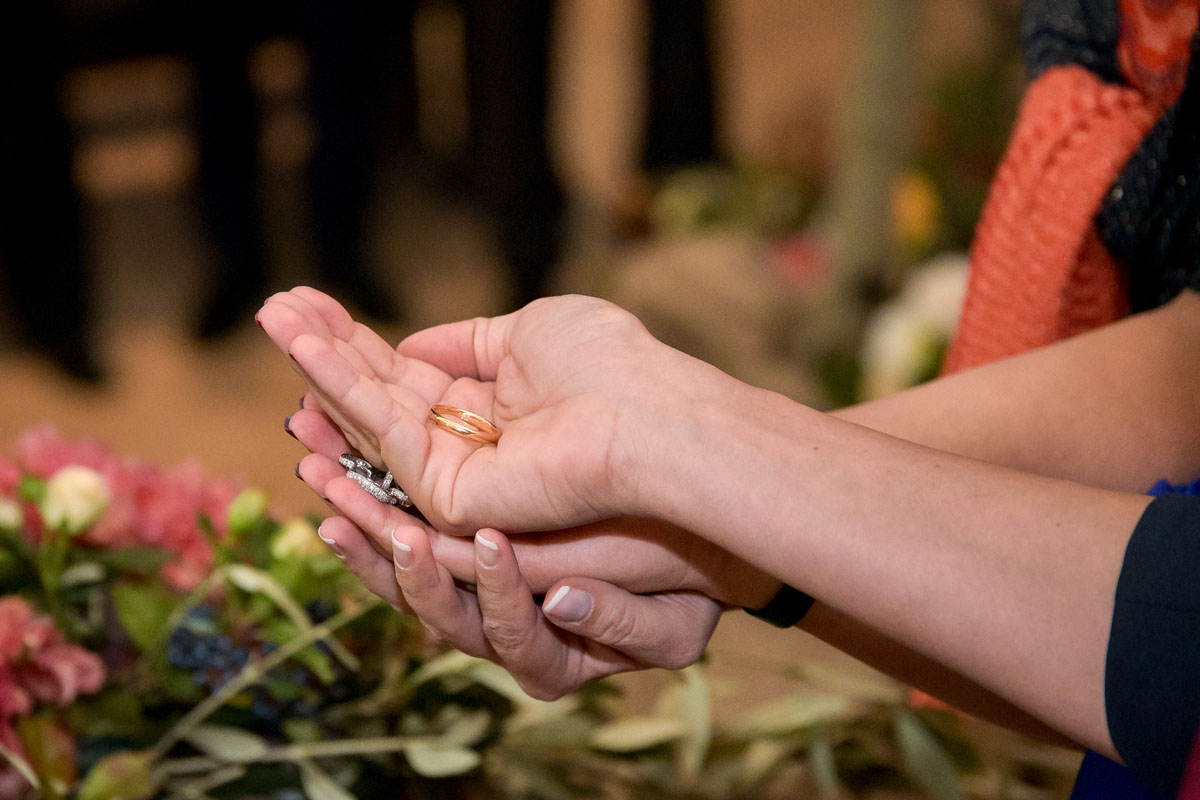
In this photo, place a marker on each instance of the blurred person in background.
(43, 261)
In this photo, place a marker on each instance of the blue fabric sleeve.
(1152, 673)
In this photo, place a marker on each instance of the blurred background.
(785, 188)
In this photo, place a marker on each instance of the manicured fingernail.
(297, 470)
(259, 321)
(401, 553)
(569, 605)
(488, 553)
(301, 401)
(287, 426)
(333, 545)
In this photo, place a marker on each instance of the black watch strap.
(787, 607)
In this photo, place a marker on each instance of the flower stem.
(22, 766)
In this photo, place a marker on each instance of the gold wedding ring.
(465, 424)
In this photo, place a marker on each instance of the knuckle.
(617, 629)
(505, 635)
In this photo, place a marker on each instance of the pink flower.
(14, 700)
(14, 616)
(148, 507)
(38, 664)
(10, 477)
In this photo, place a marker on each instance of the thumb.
(670, 629)
(471, 348)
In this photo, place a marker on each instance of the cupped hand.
(584, 629)
(639, 555)
(564, 378)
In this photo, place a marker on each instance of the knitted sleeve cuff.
(1152, 672)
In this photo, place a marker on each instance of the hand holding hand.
(638, 555)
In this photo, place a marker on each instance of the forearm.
(1116, 408)
(1004, 577)
(1007, 413)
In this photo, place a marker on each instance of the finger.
(429, 590)
(377, 520)
(376, 353)
(544, 662)
(360, 406)
(472, 348)
(316, 431)
(282, 321)
(324, 475)
(317, 470)
(665, 630)
(510, 617)
(374, 570)
(332, 313)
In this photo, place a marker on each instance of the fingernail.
(569, 605)
(489, 553)
(287, 426)
(333, 545)
(297, 470)
(301, 404)
(401, 553)
(259, 321)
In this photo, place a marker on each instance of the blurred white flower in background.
(906, 338)
(11, 516)
(75, 497)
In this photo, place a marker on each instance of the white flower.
(936, 290)
(904, 338)
(297, 538)
(10, 515)
(75, 497)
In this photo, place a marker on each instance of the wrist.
(659, 435)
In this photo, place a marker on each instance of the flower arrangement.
(163, 636)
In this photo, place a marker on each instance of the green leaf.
(695, 709)
(32, 489)
(760, 758)
(120, 776)
(441, 761)
(254, 581)
(637, 733)
(143, 561)
(824, 767)
(143, 610)
(925, 759)
(319, 786)
(246, 510)
(112, 712)
(82, 574)
(301, 730)
(50, 750)
(226, 743)
(467, 728)
(453, 662)
(790, 714)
